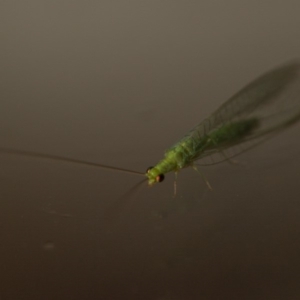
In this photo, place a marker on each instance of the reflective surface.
(118, 83)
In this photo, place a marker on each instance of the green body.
(265, 106)
(186, 151)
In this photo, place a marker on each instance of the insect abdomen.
(232, 132)
(189, 148)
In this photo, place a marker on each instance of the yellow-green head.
(154, 176)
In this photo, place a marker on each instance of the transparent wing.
(263, 92)
(273, 99)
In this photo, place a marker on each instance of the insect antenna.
(65, 159)
(120, 204)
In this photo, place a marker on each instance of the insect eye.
(160, 178)
(149, 170)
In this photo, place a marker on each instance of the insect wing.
(273, 99)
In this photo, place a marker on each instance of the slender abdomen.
(190, 147)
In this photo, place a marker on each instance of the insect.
(266, 106)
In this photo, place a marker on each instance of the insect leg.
(229, 160)
(175, 183)
(203, 177)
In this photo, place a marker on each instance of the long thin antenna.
(119, 205)
(65, 159)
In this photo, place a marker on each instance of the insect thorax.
(189, 148)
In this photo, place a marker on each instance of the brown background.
(118, 82)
